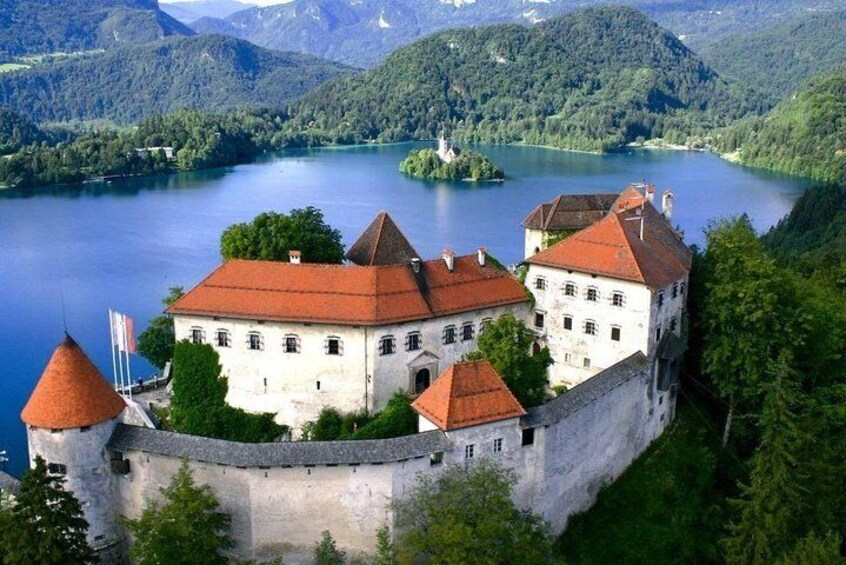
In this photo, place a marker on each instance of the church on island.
(605, 291)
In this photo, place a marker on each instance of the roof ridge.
(382, 215)
(629, 245)
(552, 208)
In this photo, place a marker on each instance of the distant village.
(603, 286)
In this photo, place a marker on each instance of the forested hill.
(590, 80)
(128, 83)
(50, 26)
(805, 134)
(778, 60)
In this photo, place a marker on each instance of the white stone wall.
(271, 380)
(534, 239)
(88, 474)
(637, 320)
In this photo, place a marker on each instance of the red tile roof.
(349, 294)
(468, 394)
(71, 393)
(612, 247)
(382, 243)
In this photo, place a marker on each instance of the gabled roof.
(613, 247)
(382, 243)
(71, 393)
(349, 294)
(569, 212)
(467, 394)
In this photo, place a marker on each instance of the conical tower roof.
(71, 393)
(382, 243)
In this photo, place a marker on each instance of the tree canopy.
(45, 524)
(271, 235)
(507, 344)
(156, 342)
(188, 527)
(466, 515)
(425, 163)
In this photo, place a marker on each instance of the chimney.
(415, 265)
(667, 204)
(650, 193)
(294, 257)
(449, 259)
(482, 255)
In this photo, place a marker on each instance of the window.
(468, 451)
(568, 322)
(615, 333)
(84, 429)
(467, 331)
(618, 299)
(224, 338)
(674, 322)
(586, 363)
(57, 468)
(675, 289)
(592, 294)
(422, 380)
(197, 335)
(591, 328)
(449, 335)
(658, 333)
(317, 384)
(660, 299)
(528, 436)
(660, 400)
(681, 287)
(413, 341)
(334, 346)
(436, 458)
(292, 344)
(570, 289)
(540, 283)
(483, 326)
(255, 341)
(568, 358)
(387, 345)
(540, 320)
(497, 445)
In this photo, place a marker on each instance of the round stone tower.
(70, 417)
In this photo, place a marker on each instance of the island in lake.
(450, 163)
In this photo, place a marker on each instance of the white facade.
(587, 335)
(535, 242)
(296, 385)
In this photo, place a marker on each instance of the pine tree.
(45, 525)
(327, 553)
(188, 528)
(772, 501)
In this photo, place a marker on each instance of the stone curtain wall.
(282, 496)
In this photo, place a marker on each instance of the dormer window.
(334, 346)
(197, 335)
(540, 283)
(570, 289)
(467, 331)
(255, 341)
(449, 335)
(592, 294)
(292, 344)
(618, 299)
(413, 341)
(387, 345)
(224, 338)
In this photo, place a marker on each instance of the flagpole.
(112, 339)
(120, 359)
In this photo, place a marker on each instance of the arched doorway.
(537, 250)
(422, 380)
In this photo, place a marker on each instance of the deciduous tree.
(156, 342)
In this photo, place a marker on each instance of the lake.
(122, 245)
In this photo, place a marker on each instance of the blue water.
(122, 245)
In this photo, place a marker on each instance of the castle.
(295, 337)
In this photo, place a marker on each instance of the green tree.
(466, 515)
(771, 503)
(45, 525)
(188, 528)
(156, 342)
(814, 550)
(385, 554)
(270, 236)
(327, 553)
(507, 344)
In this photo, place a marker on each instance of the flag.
(123, 332)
